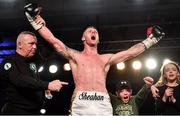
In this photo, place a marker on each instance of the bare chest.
(90, 62)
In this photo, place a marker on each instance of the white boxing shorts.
(86, 103)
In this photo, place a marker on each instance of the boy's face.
(124, 95)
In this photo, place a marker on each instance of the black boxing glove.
(31, 11)
(154, 34)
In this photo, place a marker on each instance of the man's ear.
(19, 44)
(83, 38)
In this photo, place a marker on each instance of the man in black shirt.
(24, 89)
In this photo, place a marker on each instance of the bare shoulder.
(73, 50)
(106, 57)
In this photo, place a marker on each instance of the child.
(167, 91)
(126, 104)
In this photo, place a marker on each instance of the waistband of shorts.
(91, 93)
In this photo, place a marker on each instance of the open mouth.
(125, 97)
(171, 75)
(93, 37)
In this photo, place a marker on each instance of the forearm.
(136, 49)
(46, 34)
(141, 95)
(143, 92)
(127, 54)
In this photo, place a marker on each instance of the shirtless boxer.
(89, 68)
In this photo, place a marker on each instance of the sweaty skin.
(89, 68)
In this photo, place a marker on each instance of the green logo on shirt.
(33, 67)
(7, 66)
(124, 110)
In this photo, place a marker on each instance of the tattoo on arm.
(69, 52)
(72, 50)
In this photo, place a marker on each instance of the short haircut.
(24, 33)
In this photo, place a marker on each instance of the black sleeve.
(160, 105)
(163, 106)
(17, 77)
(111, 95)
(177, 104)
(141, 95)
(2, 83)
(177, 97)
(113, 98)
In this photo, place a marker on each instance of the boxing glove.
(154, 34)
(31, 11)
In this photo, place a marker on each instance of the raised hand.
(32, 11)
(154, 34)
(149, 81)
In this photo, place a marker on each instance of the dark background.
(121, 24)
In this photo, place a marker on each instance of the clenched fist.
(149, 81)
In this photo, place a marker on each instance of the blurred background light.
(120, 66)
(137, 65)
(67, 67)
(151, 63)
(41, 68)
(53, 68)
